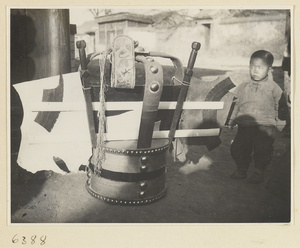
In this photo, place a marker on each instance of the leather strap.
(131, 177)
(152, 94)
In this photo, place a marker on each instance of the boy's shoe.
(256, 178)
(238, 174)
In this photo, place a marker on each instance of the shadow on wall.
(22, 42)
(22, 68)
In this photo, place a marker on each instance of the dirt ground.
(206, 195)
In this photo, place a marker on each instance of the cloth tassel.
(100, 151)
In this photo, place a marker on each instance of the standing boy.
(255, 113)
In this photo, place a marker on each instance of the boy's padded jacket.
(257, 103)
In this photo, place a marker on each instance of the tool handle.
(195, 48)
(184, 89)
(81, 45)
(192, 59)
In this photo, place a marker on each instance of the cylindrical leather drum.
(130, 176)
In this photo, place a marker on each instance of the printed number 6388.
(32, 240)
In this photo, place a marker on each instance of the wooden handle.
(81, 45)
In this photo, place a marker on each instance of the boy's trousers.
(256, 141)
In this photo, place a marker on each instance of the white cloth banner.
(69, 139)
(69, 126)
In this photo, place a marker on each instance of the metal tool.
(184, 89)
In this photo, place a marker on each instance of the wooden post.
(40, 42)
(59, 41)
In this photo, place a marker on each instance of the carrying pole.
(87, 91)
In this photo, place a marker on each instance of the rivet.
(154, 69)
(144, 160)
(142, 194)
(143, 185)
(144, 168)
(154, 86)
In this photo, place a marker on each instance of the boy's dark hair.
(264, 55)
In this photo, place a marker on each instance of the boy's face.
(258, 69)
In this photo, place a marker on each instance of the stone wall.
(226, 43)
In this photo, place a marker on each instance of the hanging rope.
(101, 139)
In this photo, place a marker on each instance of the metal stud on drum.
(130, 176)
